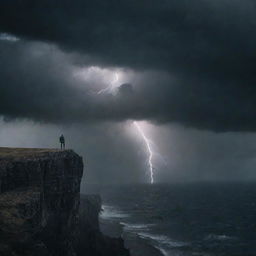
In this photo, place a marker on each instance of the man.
(62, 142)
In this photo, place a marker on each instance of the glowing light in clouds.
(111, 87)
(147, 143)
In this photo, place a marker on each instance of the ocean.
(203, 219)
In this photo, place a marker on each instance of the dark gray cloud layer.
(205, 51)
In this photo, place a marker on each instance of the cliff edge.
(39, 206)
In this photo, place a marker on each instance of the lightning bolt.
(150, 153)
(110, 89)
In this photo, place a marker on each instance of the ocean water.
(186, 219)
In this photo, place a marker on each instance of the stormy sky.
(185, 70)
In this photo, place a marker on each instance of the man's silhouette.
(62, 142)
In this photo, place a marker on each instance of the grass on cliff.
(23, 152)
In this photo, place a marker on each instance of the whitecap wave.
(164, 240)
(219, 237)
(163, 251)
(136, 227)
(110, 212)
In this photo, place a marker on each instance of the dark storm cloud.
(206, 48)
(34, 83)
(38, 82)
(209, 36)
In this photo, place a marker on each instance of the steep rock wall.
(39, 201)
(39, 207)
(90, 240)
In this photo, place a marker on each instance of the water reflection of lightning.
(147, 142)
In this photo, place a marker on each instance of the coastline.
(136, 244)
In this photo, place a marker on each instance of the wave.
(163, 243)
(215, 237)
(142, 230)
(136, 227)
(110, 212)
(165, 240)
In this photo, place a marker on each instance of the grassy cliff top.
(25, 152)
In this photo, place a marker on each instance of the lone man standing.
(62, 142)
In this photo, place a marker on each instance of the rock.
(91, 241)
(39, 207)
(39, 201)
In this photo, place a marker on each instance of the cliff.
(39, 206)
(91, 241)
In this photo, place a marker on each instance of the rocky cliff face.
(39, 201)
(90, 240)
(39, 205)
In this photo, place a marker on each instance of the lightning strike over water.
(110, 89)
(149, 151)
